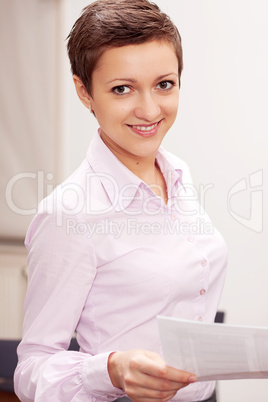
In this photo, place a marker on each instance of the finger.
(155, 383)
(152, 399)
(142, 385)
(177, 375)
(141, 394)
(153, 365)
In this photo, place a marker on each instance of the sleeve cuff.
(96, 379)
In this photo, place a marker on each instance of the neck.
(149, 171)
(144, 167)
(141, 166)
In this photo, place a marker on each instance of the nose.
(147, 108)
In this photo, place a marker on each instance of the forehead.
(152, 58)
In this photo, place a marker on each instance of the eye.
(166, 85)
(121, 89)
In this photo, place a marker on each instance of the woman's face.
(135, 94)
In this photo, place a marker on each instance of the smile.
(145, 130)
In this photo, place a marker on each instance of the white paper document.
(214, 351)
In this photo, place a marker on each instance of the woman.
(118, 242)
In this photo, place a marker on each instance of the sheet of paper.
(214, 351)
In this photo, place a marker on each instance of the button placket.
(190, 238)
(202, 264)
(203, 290)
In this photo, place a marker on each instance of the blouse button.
(190, 238)
(200, 318)
(204, 263)
(202, 292)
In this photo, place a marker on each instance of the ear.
(81, 91)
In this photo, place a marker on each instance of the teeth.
(146, 128)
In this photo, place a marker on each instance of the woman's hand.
(144, 376)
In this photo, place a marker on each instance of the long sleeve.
(106, 256)
(62, 269)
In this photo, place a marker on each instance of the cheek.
(103, 109)
(170, 100)
(111, 114)
(171, 107)
(121, 110)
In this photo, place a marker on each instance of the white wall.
(29, 97)
(221, 131)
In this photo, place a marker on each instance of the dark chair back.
(8, 363)
(220, 317)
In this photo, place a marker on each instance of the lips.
(146, 130)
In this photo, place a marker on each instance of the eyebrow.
(133, 81)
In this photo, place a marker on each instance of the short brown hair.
(114, 23)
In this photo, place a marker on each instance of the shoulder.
(78, 198)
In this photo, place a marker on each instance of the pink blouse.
(106, 256)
